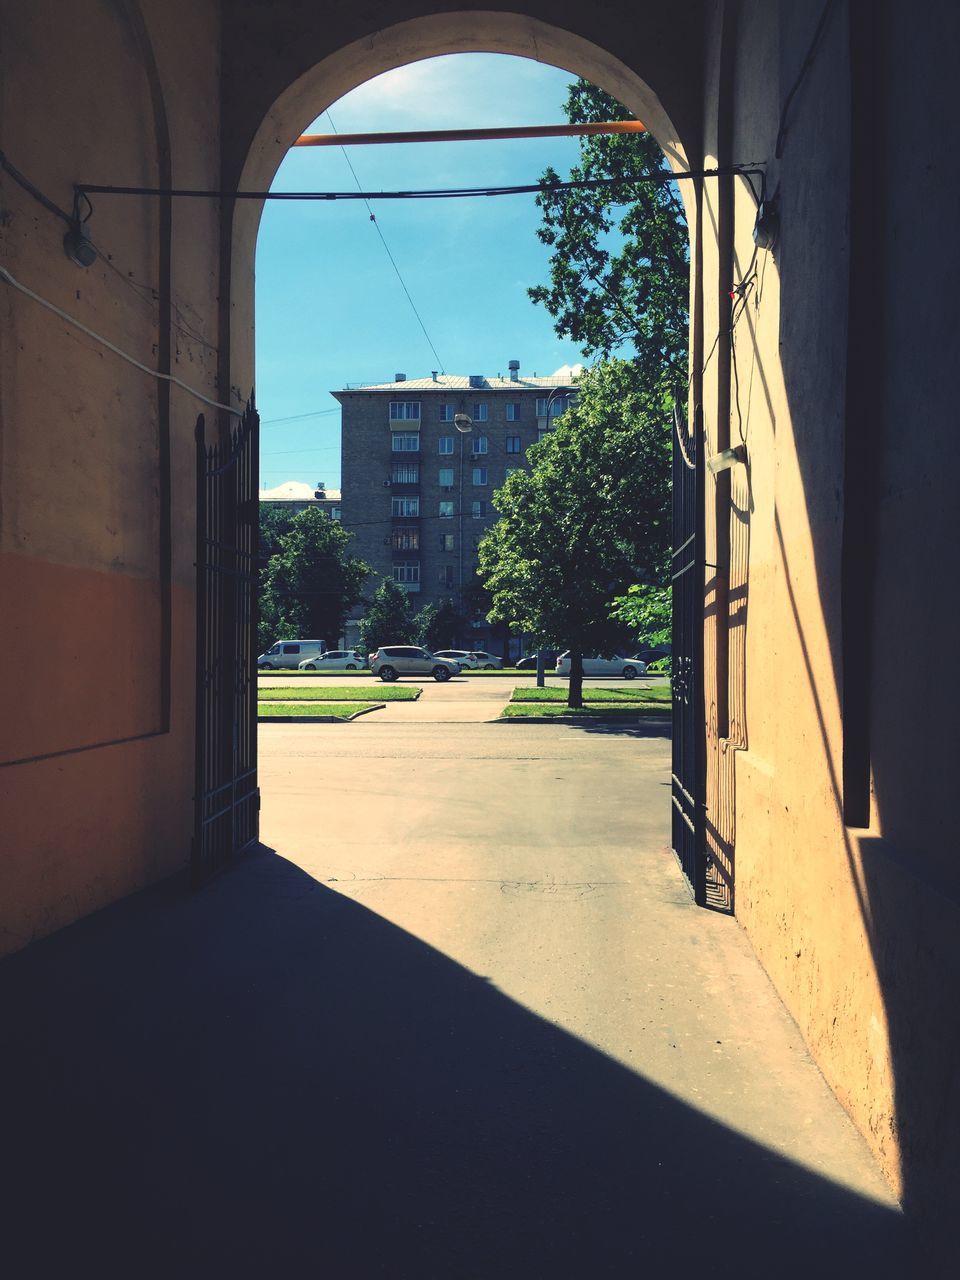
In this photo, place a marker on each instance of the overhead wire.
(393, 261)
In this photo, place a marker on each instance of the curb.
(377, 706)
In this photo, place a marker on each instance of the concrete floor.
(466, 1022)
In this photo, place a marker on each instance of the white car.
(628, 668)
(486, 661)
(334, 660)
(467, 661)
(289, 654)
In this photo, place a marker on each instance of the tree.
(618, 278)
(590, 519)
(310, 584)
(439, 626)
(645, 610)
(388, 619)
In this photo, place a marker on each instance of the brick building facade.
(417, 479)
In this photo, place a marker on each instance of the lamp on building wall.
(464, 425)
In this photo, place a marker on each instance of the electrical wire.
(297, 417)
(105, 342)
(804, 68)
(23, 181)
(393, 261)
(448, 193)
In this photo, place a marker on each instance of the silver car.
(395, 660)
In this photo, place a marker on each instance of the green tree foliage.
(645, 610)
(388, 619)
(618, 271)
(275, 520)
(588, 521)
(311, 583)
(440, 626)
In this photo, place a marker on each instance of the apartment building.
(421, 461)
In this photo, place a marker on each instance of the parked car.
(651, 652)
(286, 655)
(335, 660)
(530, 662)
(629, 668)
(392, 661)
(486, 661)
(465, 659)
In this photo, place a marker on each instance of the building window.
(334, 513)
(478, 510)
(446, 509)
(542, 432)
(404, 410)
(541, 406)
(513, 411)
(479, 413)
(445, 575)
(404, 444)
(405, 506)
(446, 413)
(513, 444)
(445, 444)
(447, 541)
(446, 478)
(480, 444)
(406, 539)
(479, 475)
(405, 473)
(406, 571)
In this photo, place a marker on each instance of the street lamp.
(557, 391)
(464, 425)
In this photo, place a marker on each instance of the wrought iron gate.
(688, 722)
(227, 801)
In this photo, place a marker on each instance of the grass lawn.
(658, 695)
(599, 711)
(333, 693)
(312, 710)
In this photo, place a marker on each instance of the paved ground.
(465, 1023)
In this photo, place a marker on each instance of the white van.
(288, 654)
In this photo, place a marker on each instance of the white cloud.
(568, 371)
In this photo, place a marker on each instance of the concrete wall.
(98, 487)
(831, 699)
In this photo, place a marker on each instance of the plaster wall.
(98, 490)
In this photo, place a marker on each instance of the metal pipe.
(471, 135)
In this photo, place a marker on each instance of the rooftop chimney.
(399, 377)
(476, 380)
(514, 368)
(433, 374)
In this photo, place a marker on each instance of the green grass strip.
(541, 711)
(333, 693)
(312, 710)
(655, 694)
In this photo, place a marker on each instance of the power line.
(747, 171)
(298, 417)
(373, 219)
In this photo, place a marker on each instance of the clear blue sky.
(330, 309)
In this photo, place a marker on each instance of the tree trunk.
(575, 690)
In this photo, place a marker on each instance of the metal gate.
(227, 801)
(688, 787)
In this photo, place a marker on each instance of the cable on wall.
(105, 342)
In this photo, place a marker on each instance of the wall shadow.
(266, 1078)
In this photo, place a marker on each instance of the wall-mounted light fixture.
(78, 246)
(766, 229)
(726, 459)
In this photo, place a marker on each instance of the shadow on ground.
(268, 1079)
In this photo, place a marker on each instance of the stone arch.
(311, 91)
